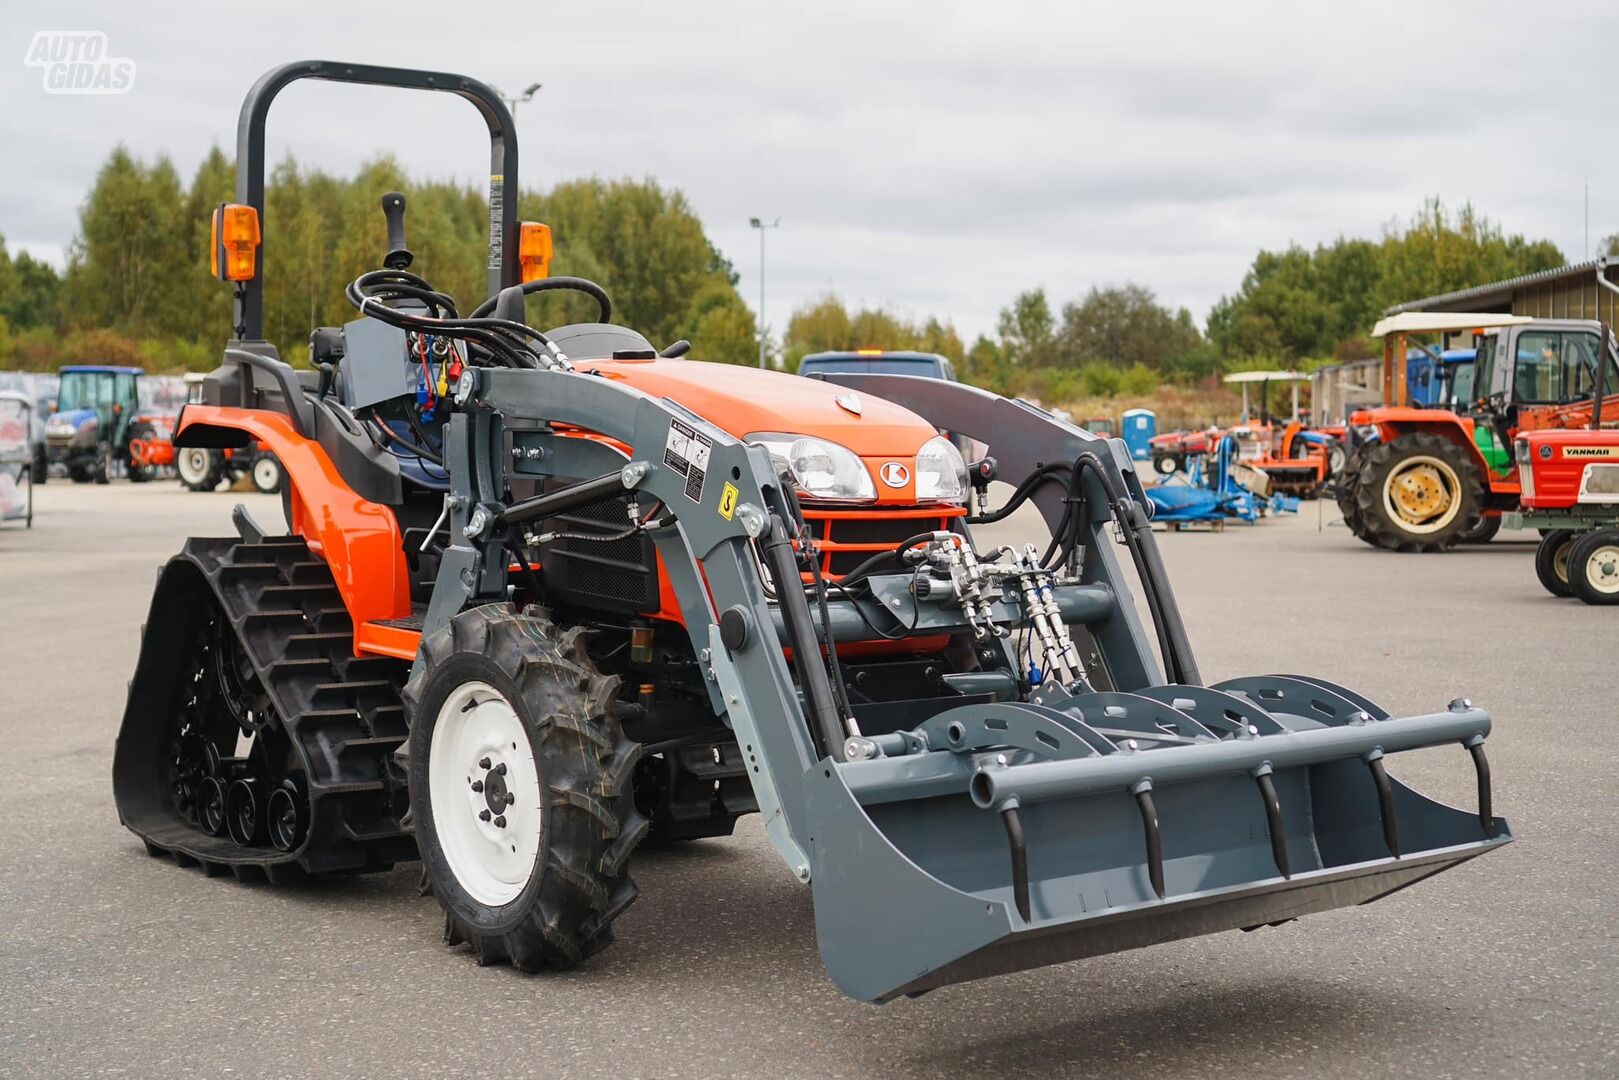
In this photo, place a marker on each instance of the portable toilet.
(1140, 425)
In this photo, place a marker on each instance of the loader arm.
(995, 835)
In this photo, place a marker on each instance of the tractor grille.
(849, 537)
(618, 575)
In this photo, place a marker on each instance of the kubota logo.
(76, 62)
(895, 475)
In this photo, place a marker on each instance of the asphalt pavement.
(114, 963)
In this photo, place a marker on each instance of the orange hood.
(744, 401)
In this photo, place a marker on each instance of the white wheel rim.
(492, 863)
(1422, 494)
(193, 465)
(1560, 560)
(1602, 570)
(266, 472)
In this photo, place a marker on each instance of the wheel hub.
(1422, 494)
(1602, 570)
(484, 787)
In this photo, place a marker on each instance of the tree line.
(137, 286)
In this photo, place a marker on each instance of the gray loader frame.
(915, 883)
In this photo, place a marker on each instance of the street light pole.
(762, 225)
(513, 102)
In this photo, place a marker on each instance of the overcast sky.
(928, 157)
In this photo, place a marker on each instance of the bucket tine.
(1020, 859)
(1273, 818)
(1155, 843)
(1481, 764)
(1385, 802)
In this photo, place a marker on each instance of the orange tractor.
(1296, 459)
(545, 594)
(1426, 479)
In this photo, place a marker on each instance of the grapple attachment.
(1006, 836)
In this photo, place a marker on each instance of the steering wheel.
(604, 303)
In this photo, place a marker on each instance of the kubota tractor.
(1425, 479)
(549, 593)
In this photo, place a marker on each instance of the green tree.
(1027, 330)
(30, 290)
(1125, 326)
(826, 324)
(131, 250)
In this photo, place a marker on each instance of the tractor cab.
(96, 409)
(1425, 477)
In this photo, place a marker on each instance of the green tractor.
(97, 414)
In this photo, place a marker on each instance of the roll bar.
(503, 265)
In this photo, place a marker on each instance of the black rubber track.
(1376, 526)
(590, 824)
(341, 714)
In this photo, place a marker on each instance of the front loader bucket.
(1002, 837)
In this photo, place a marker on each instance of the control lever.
(399, 256)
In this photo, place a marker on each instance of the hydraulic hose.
(1172, 640)
(561, 283)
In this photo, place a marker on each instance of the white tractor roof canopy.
(1265, 376)
(1430, 322)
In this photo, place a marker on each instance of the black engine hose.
(562, 283)
(896, 554)
(1045, 474)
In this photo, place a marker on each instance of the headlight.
(941, 473)
(820, 469)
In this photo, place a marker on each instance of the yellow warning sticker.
(728, 497)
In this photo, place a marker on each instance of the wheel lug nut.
(501, 768)
(477, 785)
(483, 763)
(500, 822)
(483, 815)
(510, 798)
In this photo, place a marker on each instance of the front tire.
(1167, 464)
(200, 469)
(509, 713)
(1484, 531)
(1420, 492)
(1551, 561)
(1593, 567)
(267, 474)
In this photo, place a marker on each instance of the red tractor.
(1571, 494)
(1426, 479)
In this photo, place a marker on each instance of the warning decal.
(728, 497)
(686, 452)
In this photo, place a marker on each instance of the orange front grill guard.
(848, 537)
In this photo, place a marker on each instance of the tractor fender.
(358, 537)
(1393, 422)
